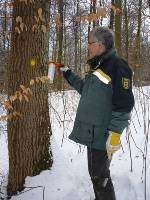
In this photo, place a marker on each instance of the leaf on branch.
(44, 29)
(10, 116)
(37, 79)
(23, 87)
(57, 20)
(78, 19)
(13, 98)
(17, 30)
(101, 12)
(35, 27)
(3, 118)
(37, 19)
(32, 82)
(116, 10)
(18, 93)
(26, 98)
(40, 13)
(16, 114)
(45, 78)
(8, 105)
(20, 97)
(42, 80)
(93, 17)
(29, 91)
(22, 26)
(19, 19)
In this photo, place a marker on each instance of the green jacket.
(96, 114)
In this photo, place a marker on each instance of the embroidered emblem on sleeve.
(126, 83)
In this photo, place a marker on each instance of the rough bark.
(118, 30)
(28, 136)
(111, 24)
(60, 41)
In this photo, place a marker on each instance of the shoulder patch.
(126, 83)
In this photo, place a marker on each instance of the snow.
(68, 178)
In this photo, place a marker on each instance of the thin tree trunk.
(126, 30)
(111, 24)
(137, 66)
(89, 25)
(118, 30)
(28, 136)
(94, 11)
(60, 41)
(76, 37)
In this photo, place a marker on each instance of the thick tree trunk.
(28, 136)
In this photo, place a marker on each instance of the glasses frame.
(89, 43)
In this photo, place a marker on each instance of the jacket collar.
(97, 61)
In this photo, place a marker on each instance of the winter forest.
(37, 159)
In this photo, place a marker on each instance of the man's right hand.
(64, 69)
(61, 67)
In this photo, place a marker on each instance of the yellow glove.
(113, 143)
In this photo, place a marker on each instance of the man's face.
(95, 47)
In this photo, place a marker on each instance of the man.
(104, 108)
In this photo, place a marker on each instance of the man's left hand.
(113, 143)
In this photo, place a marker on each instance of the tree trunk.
(76, 38)
(94, 11)
(137, 66)
(111, 24)
(126, 30)
(118, 23)
(60, 41)
(28, 136)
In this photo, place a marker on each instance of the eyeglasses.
(89, 43)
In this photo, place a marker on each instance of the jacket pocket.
(83, 131)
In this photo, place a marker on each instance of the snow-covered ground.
(68, 178)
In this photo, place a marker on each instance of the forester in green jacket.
(104, 108)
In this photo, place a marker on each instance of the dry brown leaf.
(29, 91)
(8, 105)
(44, 29)
(22, 26)
(37, 79)
(78, 19)
(35, 27)
(101, 12)
(13, 98)
(40, 13)
(37, 19)
(20, 97)
(17, 30)
(32, 82)
(19, 19)
(9, 117)
(18, 93)
(42, 80)
(22, 87)
(3, 118)
(26, 98)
